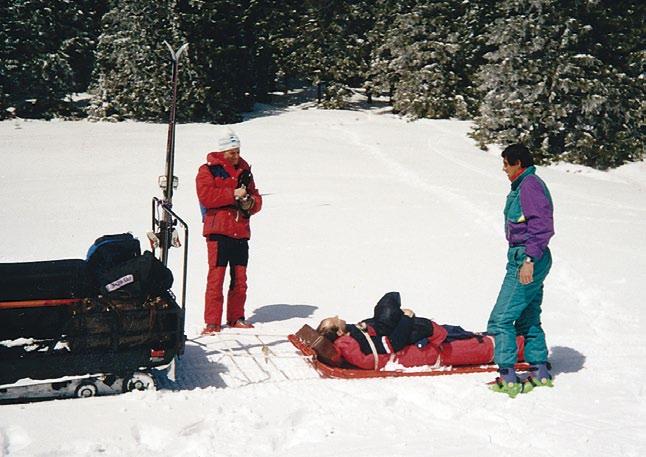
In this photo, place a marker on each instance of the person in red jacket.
(228, 198)
(396, 335)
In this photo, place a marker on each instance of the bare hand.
(408, 312)
(526, 274)
(239, 193)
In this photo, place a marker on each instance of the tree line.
(565, 77)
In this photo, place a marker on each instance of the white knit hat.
(228, 140)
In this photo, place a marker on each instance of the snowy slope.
(357, 204)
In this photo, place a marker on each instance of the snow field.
(356, 204)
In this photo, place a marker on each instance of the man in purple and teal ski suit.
(529, 225)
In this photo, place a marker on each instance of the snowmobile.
(102, 325)
(65, 331)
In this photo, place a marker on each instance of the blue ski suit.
(529, 225)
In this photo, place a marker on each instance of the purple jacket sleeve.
(538, 211)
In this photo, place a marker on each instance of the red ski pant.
(469, 351)
(225, 251)
(474, 351)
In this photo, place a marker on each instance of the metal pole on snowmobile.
(169, 182)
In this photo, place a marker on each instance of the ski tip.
(181, 50)
(172, 53)
(175, 55)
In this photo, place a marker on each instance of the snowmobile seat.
(52, 279)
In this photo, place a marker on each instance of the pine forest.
(566, 78)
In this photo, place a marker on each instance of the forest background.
(566, 77)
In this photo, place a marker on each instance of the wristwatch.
(528, 259)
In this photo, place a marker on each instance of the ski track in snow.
(588, 298)
(414, 179)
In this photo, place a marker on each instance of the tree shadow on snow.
(305, 97)
(278, 103)
(566, 360)
(281, 312)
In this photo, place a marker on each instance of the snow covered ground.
(357, 204)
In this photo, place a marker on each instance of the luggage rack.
(94, 346)
(164, 236)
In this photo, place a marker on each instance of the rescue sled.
(324, 358)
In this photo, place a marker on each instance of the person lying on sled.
(396, 335)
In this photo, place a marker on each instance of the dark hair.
(517, 152)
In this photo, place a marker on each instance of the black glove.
(245, 205)
(245, 178)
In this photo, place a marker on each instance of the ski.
(164, 221)
(168, 182)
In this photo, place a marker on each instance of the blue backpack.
(110, 250)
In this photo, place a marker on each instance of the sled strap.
(372, 347)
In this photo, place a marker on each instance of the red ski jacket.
(215, 182)
(409, 356)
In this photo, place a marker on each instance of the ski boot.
(240, 323)
(509, 383)
(540, 376)
(211, 329)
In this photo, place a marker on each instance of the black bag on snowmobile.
(53, 279)
(111, 250)
(138, 278)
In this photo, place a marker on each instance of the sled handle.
(156, 204)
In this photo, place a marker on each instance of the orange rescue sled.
(327, 362)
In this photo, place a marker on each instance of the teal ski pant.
(518, 311)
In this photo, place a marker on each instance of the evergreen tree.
(285, 36)
(383, 72)
(229, 64)
(565, 78)
(429, 56)
(220, 59)
(273, 36)
(131, 75)
(83, 28)
(474, 24)
(425, 44)
(46, 53)
(333, 48)
(257, 27)
(561, 81)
